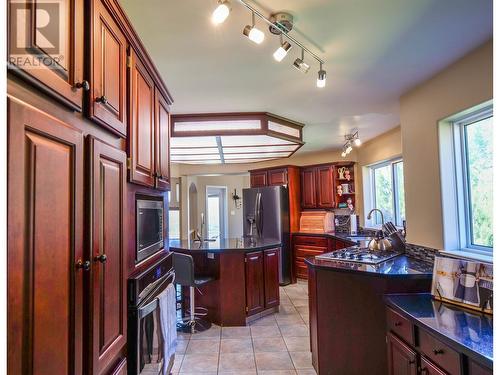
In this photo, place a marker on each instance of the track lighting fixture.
(252, 33)
(351, 139)
(220, 13)
(321, 81)
(357, 142)
(300, 64)
(283, 49)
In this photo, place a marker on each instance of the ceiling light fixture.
(321, 81)
(351, 139)
(283, 49)
(252, 33)
(300, 64)
(220, 13)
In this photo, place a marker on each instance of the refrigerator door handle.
(258, 214)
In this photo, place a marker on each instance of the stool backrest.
(184, 269)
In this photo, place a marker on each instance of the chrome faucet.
(369, 217)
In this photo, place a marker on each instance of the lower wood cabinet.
(401, 358)
(107, 283)
(304, 247)
(261, 280)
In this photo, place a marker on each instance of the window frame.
(463, 189)
(370, 195)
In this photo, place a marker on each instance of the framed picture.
(463, 282)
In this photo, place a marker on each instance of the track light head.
(282, 51)
(321, 81)
(252, 33)
(220, 13)
(348, 149)
(343, 154)
(300, 64)
(357, 142)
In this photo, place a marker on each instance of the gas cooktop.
(359, 255)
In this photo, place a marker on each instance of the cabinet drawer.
(300, 269)
(311, 241)
(308, 251)
(429, 368)
(400, 326)
(440, 353)
(476, 369)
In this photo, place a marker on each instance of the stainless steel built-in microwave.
(149, 227)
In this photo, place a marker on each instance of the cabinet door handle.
(102, 99)
(254, 258)
(438, 351)
(271, 255)
(83, 85)
(101, 258)
(83, 265)
(398, 324)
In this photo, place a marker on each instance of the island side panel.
(232, 289)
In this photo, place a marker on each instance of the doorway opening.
(216, 209)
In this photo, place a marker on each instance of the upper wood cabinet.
(45, 244)
(325, 187)
(108, 70)
(49, 56)
(108, 287)
(258, 179)
(271, 177)
(308, 187)
(162, 142)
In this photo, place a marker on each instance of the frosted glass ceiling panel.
(217, 125)
(199, 162)
(245, 161)
(283, 129)
(257, 156)
(193, 142)
(194, 151)
(252, 140)
(233, 150)
(194, 157)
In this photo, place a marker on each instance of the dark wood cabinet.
(162, 142)
(402, 360)
(271, 278)
(108, 70)
(107, 287)
(254, 275)
(277, 177)
(428, 368)
(325, 187)
(121, 368)
(58, 57)
(45, 255)
(308, 187)
(258, 179)
(304, 247)
(141, 138)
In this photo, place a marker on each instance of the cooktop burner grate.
(358, 255)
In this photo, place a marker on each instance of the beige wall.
(462, 85)
(384, 147)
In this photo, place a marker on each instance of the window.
(474, 145)
(216, 217)
(174, 229)
(386, 192)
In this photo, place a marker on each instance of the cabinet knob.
(83, 85)
(101, 258)
(397, 324)
(83, 265)
(102, 99)
(438, 351)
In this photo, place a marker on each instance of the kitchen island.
(246, 277)
(347, 310)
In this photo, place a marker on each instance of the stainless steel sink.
(360, 238)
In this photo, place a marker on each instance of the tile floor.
(275, 344)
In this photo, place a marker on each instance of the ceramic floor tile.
(277, 372)
(177, 363)
(269, 344)
(202, 362)
(309, 371)
(265, 331)
(297, 344)
(273, 361)
(268, 320)
(300, 302)
(303, 309)
(289, 319)
(236, 345)
(236, 362)
(235, 332)
(212, 333)
(183, 336)
(203, 346)
(181, 346)
(301, 360)
(294, 330)
(287, 309)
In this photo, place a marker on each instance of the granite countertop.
(470, 331)
(400, 266)
(225, 244)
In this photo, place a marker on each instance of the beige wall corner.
(464, 84)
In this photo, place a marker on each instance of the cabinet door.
(254, 277)
(271, 278)
(308, 182)
(402, 360)
(162, 142)
(428, 368)
(258, 179)
(326, 195)
(45, 248)
(46, 46)
(121, 369)
(108, 92)
(107, 189)
(277, 177)
(142, 124)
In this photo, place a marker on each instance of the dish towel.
(168, 323)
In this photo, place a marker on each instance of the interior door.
(271, 278)
(162, 142)
(46, 46)
(254, 277)
(326, 195)
(108, 92)
(308, 184)
(142, 123)
(107, 188)
(45, 244)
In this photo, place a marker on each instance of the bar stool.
(184, 276)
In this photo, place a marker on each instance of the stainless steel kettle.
(380, 243)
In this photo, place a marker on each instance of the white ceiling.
(375, 50)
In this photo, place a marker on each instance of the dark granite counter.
(400, 266)
(224, 245)
(467, 331)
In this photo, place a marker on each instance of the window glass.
(384, 197)
(213, 208)
(174, 232)
(400, 193)
(478, 144)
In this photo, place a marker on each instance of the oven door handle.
(151, 303)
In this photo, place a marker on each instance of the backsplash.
(421, 252)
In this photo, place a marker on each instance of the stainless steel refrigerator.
(266, 215)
